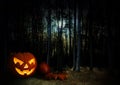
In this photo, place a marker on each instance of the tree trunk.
(49, 35)
(74, 40)
(78, 41)
(77, 34)
(90, 34)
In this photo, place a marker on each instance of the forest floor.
(83, 77)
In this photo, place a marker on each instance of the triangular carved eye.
(31, 61)
(16, 60)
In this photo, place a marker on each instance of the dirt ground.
(83, 77)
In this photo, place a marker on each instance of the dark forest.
(63, 33)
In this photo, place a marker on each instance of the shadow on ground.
(84, 77)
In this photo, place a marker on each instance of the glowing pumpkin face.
(24, 64)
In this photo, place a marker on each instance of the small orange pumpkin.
(44, 68)
(62, 76)
(23, 64)
(55, 76)
(51, 76)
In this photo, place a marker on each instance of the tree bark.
(49, 35)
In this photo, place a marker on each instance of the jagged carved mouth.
(24, 72)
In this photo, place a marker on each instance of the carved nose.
(26, 66)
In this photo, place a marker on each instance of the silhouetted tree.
(77, 37)
(49, 35)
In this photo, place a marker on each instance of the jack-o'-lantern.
(23, 64)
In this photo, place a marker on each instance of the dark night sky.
(98, 7)
(12, 6)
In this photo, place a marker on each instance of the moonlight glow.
(61, 24)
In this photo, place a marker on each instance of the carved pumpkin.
(23, 64)
(44, 68)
